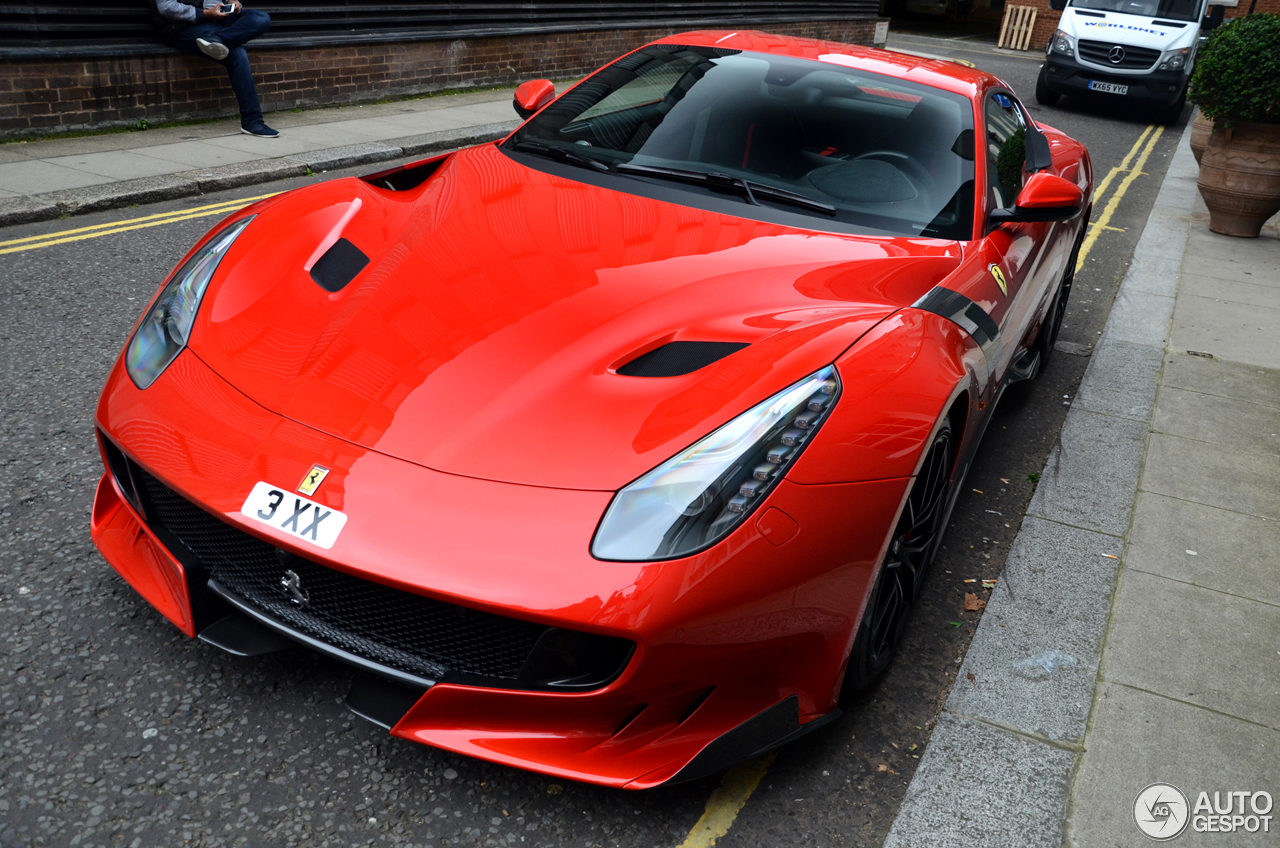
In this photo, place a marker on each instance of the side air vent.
(406, 177)
(338, 266)
(676, 358)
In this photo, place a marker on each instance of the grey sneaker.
(215, 50)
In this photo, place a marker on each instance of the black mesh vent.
(338, 266)
(676, 358)
(401, 630)
(1099, 52)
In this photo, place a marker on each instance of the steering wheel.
(903, 162)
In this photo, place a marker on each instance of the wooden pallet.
(1016, 28)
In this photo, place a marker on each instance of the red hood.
(480, 339)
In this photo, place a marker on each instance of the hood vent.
(676, 358)
(338, 266)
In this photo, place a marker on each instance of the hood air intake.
(676, 358)
(338, 266)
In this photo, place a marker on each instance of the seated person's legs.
(237, 65)
(185, 39)
(244, 27)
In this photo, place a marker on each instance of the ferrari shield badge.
(995, 272)
(316, 475)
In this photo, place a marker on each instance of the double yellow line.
(1102, 221)
(100, 230)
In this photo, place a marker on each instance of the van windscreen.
(1177, 10)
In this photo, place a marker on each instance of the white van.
(1131, 50)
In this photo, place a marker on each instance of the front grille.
(1135, 58)
(400, 630)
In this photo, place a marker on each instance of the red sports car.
(616, 449)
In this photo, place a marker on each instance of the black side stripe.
(967, 315)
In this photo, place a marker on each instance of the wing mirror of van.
(1057, 5)
(532, 96)
(1045, 197)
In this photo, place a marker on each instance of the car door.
(1008, 277)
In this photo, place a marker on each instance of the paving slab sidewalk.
(1134, 636)
(42, 179)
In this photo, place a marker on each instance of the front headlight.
(1063, 43)
(164, 330)
(1174, 59)
(695, 498)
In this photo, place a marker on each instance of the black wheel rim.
(914, 543)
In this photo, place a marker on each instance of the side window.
(1006, 149)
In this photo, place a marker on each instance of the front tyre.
(911, 550)
(1173, 112)
(1044, 96)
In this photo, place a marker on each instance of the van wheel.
(1171, 114)
(1044, 96)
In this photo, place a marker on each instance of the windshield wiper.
(748, 188)
(539, 149)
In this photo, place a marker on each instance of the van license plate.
(1108, 87)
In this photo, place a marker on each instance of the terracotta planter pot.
(1240, 179)
(1201, 127)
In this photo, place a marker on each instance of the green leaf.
(1237, 74)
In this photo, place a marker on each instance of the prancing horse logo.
(313, 480)
(292, 584)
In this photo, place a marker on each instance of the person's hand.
(214, 13)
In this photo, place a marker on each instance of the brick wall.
(43, 96)
(1270, 7)
(1047, 19)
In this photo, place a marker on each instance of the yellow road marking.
(1123, 166)
(1102, 221)
(726, 801)
(99, 230)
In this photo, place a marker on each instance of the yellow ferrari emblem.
(999, 275)
(313, 480)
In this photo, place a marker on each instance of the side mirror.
(1057, 5)
(532, 96)
(1044, 198)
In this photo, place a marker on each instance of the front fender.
(898, 381)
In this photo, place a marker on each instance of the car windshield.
(812, 138)
(1174, 10)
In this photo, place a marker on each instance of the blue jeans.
(234, 33)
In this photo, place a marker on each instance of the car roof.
(939, 73)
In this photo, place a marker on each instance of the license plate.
(294, 515)
(1108, 87)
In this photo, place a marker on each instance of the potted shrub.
(1236, 84)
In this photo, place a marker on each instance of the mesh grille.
(401, 630)
(1099, 52)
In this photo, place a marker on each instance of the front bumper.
(733, 647)
(1066, 75)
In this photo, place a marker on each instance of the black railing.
(118, 27)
